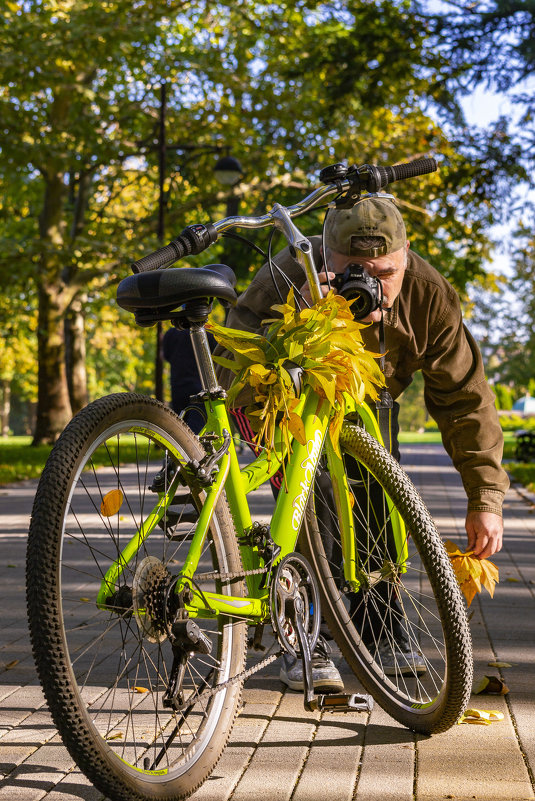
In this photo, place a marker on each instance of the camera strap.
(384, 404)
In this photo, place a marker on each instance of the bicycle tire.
(104, 671)
(429, 691)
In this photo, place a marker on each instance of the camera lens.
(363, 302)
(357, 286)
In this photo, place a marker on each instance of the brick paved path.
(277, 751)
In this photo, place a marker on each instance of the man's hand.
(305, 291)
(485, 532)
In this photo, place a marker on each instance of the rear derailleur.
(187, 639)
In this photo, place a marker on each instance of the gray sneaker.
(325, 675)
(400, 660)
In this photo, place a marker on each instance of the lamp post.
(162, 158)
(228, 171)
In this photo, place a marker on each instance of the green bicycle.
(141, 590)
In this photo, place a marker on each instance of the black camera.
(355, 284)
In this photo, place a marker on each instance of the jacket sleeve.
(460, 400)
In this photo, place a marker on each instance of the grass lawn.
(524, 473)
(434, 436)
(416, 436)
(18, 460)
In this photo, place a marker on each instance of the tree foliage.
(288, 88)
(490, 44)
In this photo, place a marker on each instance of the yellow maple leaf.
(490, 576)
(472, 573)
(482, 716)
(297, 428)
(325, 341)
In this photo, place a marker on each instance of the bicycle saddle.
(163, 291)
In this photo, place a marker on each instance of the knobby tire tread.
(362, 446)
(43, 599)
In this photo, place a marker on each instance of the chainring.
(291, 577)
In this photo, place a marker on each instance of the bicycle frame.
(300, 470)
(288, 516)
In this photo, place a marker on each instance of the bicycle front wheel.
(404, 632)
(107, 667)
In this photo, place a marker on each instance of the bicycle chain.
(245, 674)
(215, 576)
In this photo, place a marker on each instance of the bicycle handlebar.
(337, 179)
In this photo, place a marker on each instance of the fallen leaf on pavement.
(483, 717)
(499, 664)
(491, 685)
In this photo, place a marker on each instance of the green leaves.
(288, 88)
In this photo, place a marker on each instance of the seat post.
(203, 357)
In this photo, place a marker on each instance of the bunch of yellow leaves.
(472, 573)
(325, 341)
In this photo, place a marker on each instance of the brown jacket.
(423, 331)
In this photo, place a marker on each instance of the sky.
(481, 108)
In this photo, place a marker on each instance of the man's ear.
(408, 245)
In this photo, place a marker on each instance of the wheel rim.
(127, 712)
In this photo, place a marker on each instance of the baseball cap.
(370, 217)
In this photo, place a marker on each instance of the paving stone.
(334, 758)
(387, 761)
(277, 751)
(474, 761)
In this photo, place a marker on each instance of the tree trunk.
(75, 355)
(53, 403)
(5, 407)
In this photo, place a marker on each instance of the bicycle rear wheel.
(105, 668)
(416, 601)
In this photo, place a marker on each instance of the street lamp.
(228, 171)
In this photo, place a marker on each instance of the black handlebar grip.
(410, 169)
(193, 240)
(161, 258)
(374, 178)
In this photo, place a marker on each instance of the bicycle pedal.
(356, 702)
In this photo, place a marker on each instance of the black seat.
(163, 291)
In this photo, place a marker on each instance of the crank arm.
(295, 607)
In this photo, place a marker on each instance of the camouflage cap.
(371, 217)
